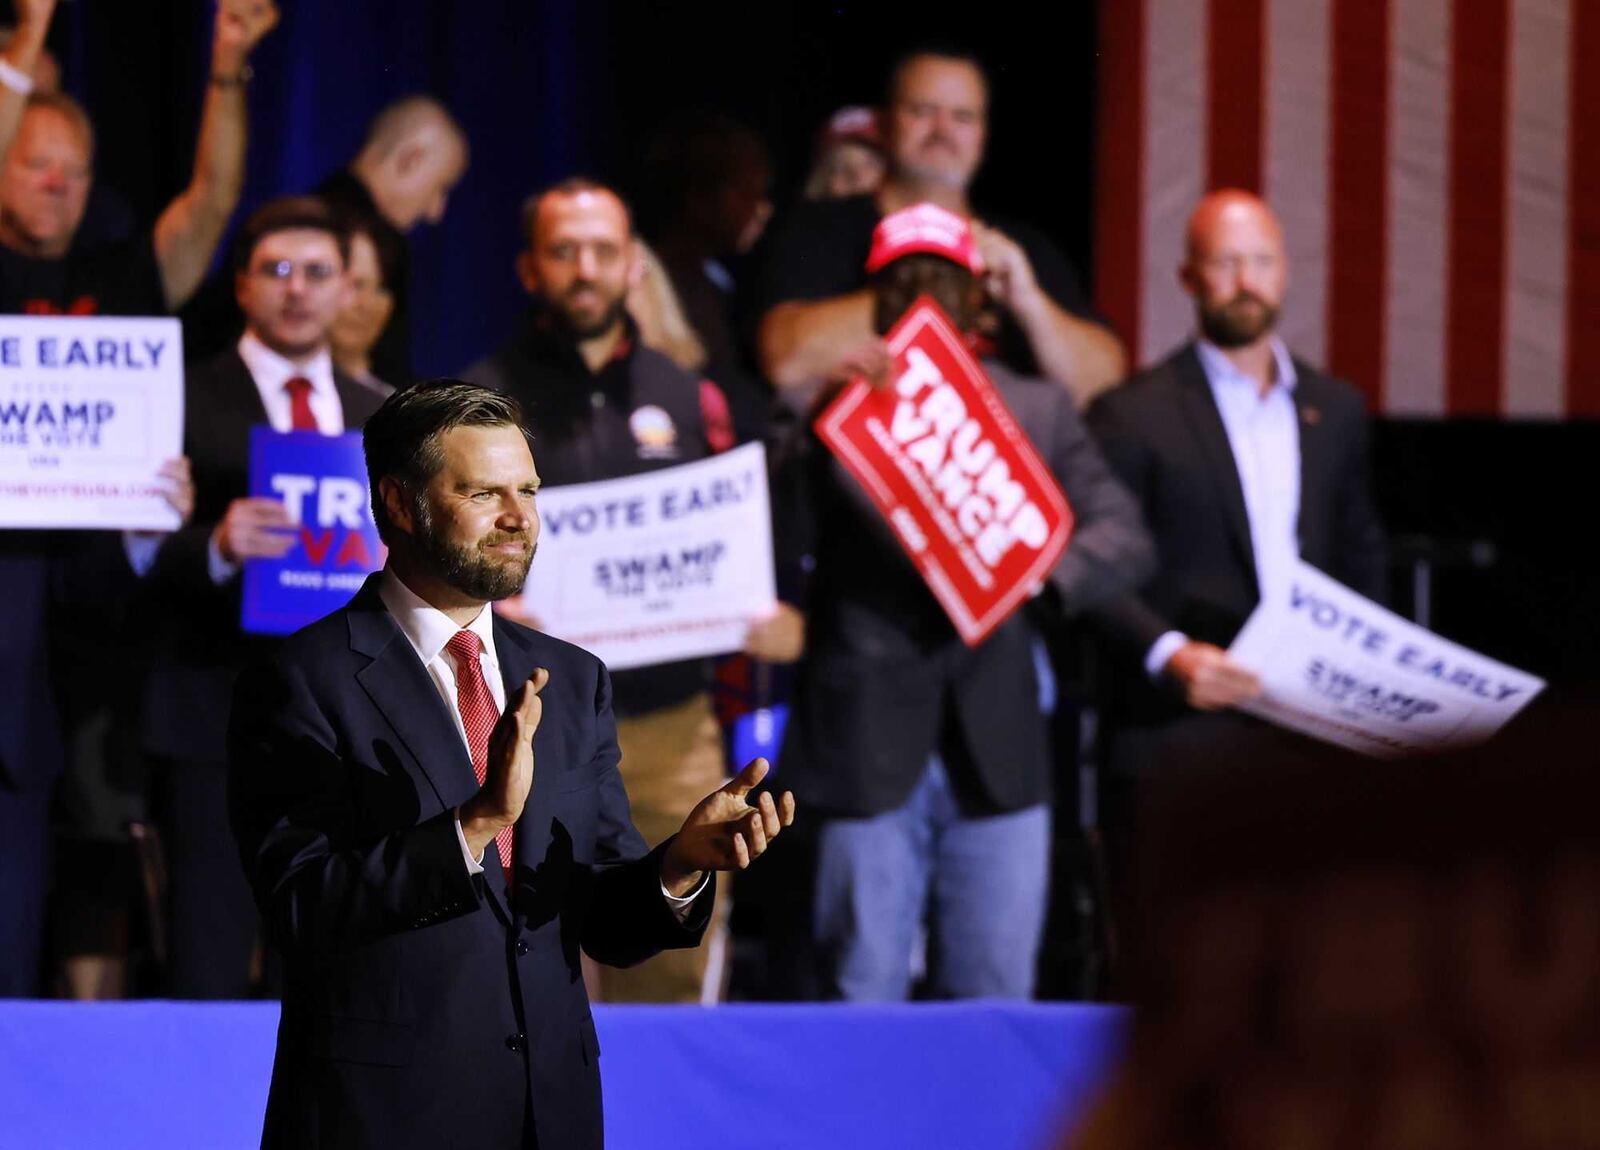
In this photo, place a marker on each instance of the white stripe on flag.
(1295, 169)
(1174, 168)
(1419, 168)
(1536, 209)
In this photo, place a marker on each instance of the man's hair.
(290, 213)
(401, 439)
(71, 109)
(692, 156)
(937, 49)
(570, 186)
(396, 122)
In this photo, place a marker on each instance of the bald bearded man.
(1244, 460)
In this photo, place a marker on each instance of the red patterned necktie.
(301, 417)
(478, 717)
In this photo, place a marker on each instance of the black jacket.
(1163, 435)
(421, 1006)
(886, 680)
(201, 648)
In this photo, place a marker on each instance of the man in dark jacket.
(929, 758)
(427, 800)
(600, 405)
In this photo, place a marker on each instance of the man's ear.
(396, 506)
(526, 273)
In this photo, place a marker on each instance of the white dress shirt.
(271, 371)
(1264, 435)
(429, 631)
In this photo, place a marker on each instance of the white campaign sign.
(671, 564)
(90, 408)
(1340, 668)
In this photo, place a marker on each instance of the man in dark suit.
(427, 799)
(1244, 461)
(290, 280)
(930, 759)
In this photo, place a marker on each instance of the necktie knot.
(464, 647)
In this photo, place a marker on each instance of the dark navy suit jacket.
(421, 1006)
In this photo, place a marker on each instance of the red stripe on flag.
(1583, 216)
(1236, 42)
(1475, 290)
(1119, 185)
(1358, 164)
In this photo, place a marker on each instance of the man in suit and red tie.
(427, 799)
(290, 264)
(1244, 460)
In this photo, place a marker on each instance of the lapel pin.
(1310, 415)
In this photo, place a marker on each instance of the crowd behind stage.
(942, 849)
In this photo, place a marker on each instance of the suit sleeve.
(321, 884)
(1127, 620)
(628, 918)
(1359, 541)
(1110, 551)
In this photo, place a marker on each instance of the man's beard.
(1235, 324)
(608, 318)
(470, 569)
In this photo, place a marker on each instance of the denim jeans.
(982, 880)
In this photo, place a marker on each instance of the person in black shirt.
(413, 155)
(601, 405)
(818, 309)
(712, 178)
(48, 145)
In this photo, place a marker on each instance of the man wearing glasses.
(289, 277)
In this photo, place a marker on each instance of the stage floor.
(982, 1075)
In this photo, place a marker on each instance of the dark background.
(548, 89)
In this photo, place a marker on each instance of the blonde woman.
(655, 308)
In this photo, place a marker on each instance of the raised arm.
(21, 57)
(188, 231)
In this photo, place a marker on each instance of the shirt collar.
(1221, 372)
(427, 628)
(271, 370)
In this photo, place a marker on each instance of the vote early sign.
(90, 408)
(944, 460)
(322, 481)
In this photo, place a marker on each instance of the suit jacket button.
(517, 1043)
(522, 946)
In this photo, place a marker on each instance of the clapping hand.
(725, 831)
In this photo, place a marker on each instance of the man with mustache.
(427, 799)
(603, 405)
(1244, 459)
(1036, 318)
(290, 281)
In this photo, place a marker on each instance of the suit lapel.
(1317, 452)
(398, 685)
(1212, 437)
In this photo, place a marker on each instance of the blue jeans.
(983, 880)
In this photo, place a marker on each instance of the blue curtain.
(514, 72)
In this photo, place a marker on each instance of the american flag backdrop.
(1436, 165)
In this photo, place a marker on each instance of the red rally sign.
(943, 459)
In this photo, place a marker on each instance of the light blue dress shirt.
(1264, 436)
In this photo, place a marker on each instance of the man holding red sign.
(916, 724)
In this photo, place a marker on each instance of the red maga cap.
(855, 124)
(928, 229)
